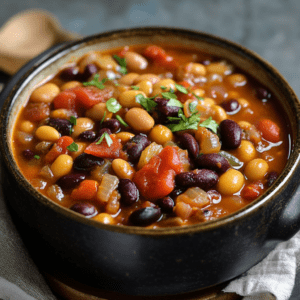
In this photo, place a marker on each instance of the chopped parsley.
(181, 88)
(121, 61)
(37, 157)
(73, 147)
(163, 87)
(134, 87)
(103, 118)
(95, 82)
(108, 139)
(73, 121)
(192, 106)
(174, 102)
(169, 95)
(113, 105)
(184, 123)
(147, 103)
(199, 98)
(210, 124)
(121, 121)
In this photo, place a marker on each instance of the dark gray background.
(269, 27)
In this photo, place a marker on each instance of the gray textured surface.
(271, 27)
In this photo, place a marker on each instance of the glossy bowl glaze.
(139, 261)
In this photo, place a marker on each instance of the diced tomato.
(269, 130)
(65, 99)
(184, 84)
(103, 150)
(87, 190)
(123, 51)
(36, 112)
(159, 56)
(157, 178)
(90, 95)
(252, 191)
(59, 148)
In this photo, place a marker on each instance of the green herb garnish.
(210, 124)
(199, 98)
(174, 102)
(37, 157)
(169, 95)
(73, 147)
(113, 105)
(103, 118)
(134, 87)
(121, 121)
(73, 121)
(192, 106)
(108, 139)
(184, 122)
(163, 87)
(147, 103)
(95, 82)
(122, 63)
(181, 88)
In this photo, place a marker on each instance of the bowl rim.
(44, 60)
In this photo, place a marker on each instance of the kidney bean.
(101, 131)
(86, 162)
(129, 192)
(70, 181)
(85, 209)
(88, 136)
(135, 146)
(231, 134)
(63, 126)
(204, 179)
(166, 204)
(164, 109)
(145, 216)
(28, 154)
(112, 124)
(231, 106)
(212, 161)
(69, 74)
(271, 178)
(187, 141)
(89, 70)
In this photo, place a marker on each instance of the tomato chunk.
(103, 150)
(252, 191)
(157, 178)
(90, 95)
(269, 130)
(159, 56)
(36, 112)
(87, 190)
(65, 99)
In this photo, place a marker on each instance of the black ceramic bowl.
(139, 261)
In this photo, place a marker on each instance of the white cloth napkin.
(275, 275)
(21, 280)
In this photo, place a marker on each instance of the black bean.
(86, 162)
(204, 179)
(88, 136)
(212, 161)
(85, 209)
(166, 110)
(187, 141)
(63, 126)
(69, 74)
(101, 131)
(271, 178)
(128, 191)
(145, 216)
(70, 181)
(166, 204)
(28, 154)
(89, 70)
(262, 93)
(176, 192)
(112, 124)
(231, 134)
(135, 146)
(231, 106)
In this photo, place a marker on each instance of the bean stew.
(151, 135)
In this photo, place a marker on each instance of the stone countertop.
(271, 28)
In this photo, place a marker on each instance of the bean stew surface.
(152, 136)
